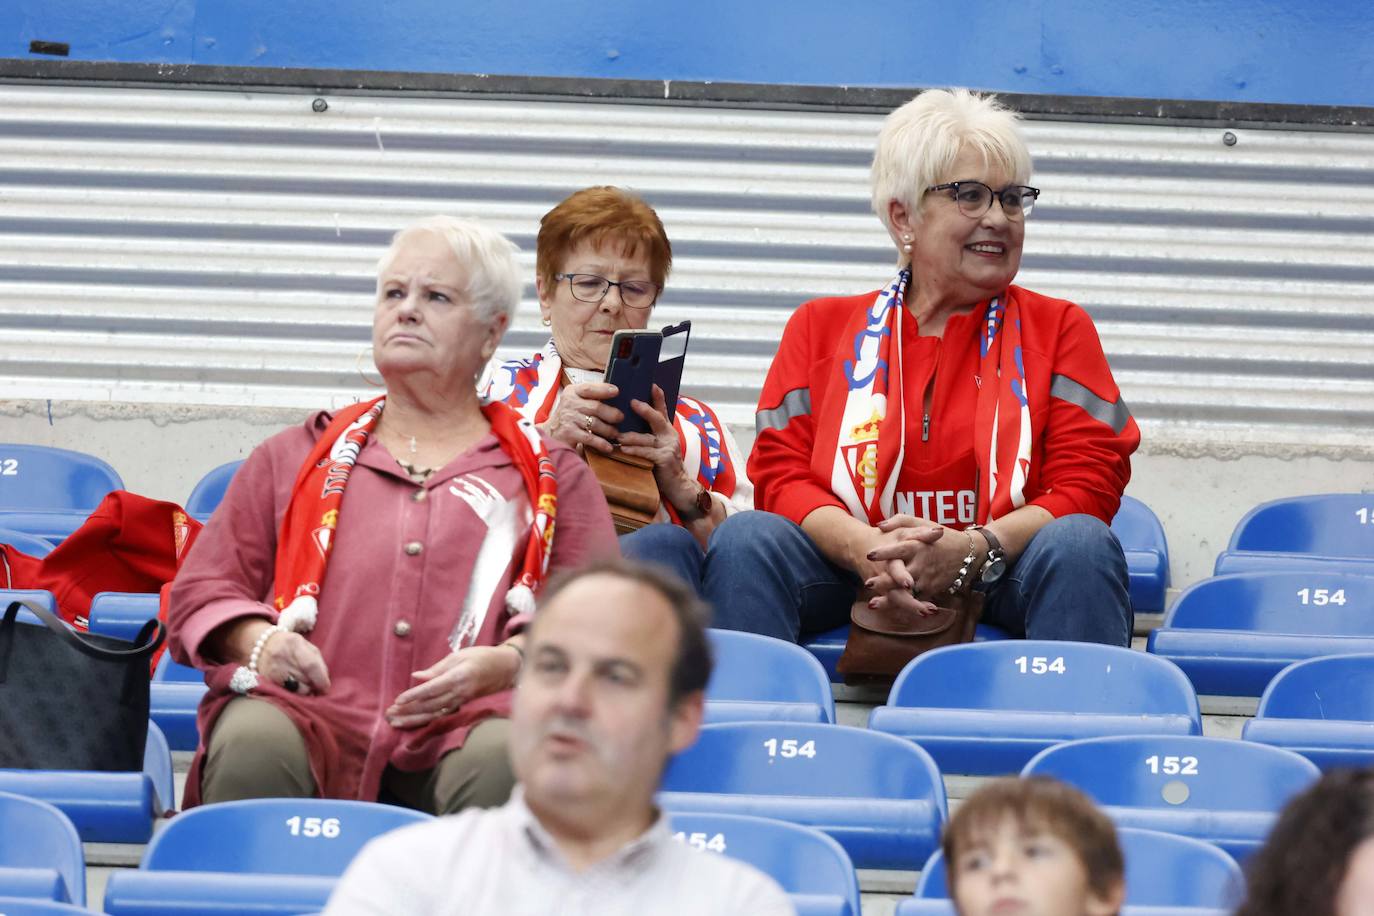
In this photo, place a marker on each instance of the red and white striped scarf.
(306, 538)
(861, 429)
(531, 387)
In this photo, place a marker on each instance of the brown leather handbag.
(881, 642)
(629, 486)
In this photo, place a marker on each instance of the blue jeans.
(764, 575)
(669, 546)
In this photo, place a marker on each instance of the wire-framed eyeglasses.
(635, 294)
(975, 198)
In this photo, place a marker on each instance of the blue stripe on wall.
(1317, 52)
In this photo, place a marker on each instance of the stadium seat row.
(281, 856)
(879, 791)
(981, 709)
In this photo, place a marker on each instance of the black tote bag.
(72, 701)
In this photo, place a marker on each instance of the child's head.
(1034, 842)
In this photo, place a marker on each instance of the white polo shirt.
(502, 861)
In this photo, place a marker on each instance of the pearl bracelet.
(968, 562)
(258, 646)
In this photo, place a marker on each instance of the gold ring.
(590, 421)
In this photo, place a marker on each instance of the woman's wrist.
(519, 653)
(233, 642)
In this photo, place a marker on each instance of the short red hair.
(598, 215)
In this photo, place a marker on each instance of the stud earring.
(906, 242)
(545, 321)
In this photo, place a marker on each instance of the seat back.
(802, 860)
(209, 490)
(121, 614)
(1162, 869)
(37, 835)
(39, 596)
(1302, 603)
(1044, 676)
(1337, 687)
(749, 667)
(39, 477)
(175, 672)
(1329, 524)
(803, 759)
(276, 836)
(1147, 554)
(1177, 772)
(22, 541)
(157, 765)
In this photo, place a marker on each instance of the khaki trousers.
(256, 752)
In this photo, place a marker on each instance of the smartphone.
(631, 368)
(672, 356)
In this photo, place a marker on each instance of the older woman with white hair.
(949, 431)
(358, 600)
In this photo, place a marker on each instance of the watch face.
(704, 501)
(993, 570)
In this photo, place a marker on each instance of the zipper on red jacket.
(927, 398)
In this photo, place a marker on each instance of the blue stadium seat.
(40, 852)
(121, 614)
(882, 799)
(1231, 634)
(105, 807)
(1323, 709)
(1162, 870)
(1331, 531)
(1227, 793)
(30, 544)
(811, 867)
(758, 678)
(264, 856)
(209, 491)
(829, 646)
(175, 693)
(987, 708)
(49, 492)
(38, 596)
(1147, 554)
(174, 700)
(173, 672)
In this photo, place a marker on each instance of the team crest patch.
(861, 454)
(181, 532)
(323, 536)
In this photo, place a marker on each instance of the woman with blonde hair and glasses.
(602, 260)
(948, 431)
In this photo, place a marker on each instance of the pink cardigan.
(400, 569)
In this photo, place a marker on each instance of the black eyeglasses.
(635, 294)
(975, 198)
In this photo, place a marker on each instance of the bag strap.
(150, 637)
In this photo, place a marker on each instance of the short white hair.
(920, 141)
(494, 285)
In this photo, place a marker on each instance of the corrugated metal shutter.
(207, 247)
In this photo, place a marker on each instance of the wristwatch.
(995, 566)
(701, 506)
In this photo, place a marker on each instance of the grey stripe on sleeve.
(1113, 413)
(795, 403)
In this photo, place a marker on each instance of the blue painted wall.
(1295, 51)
